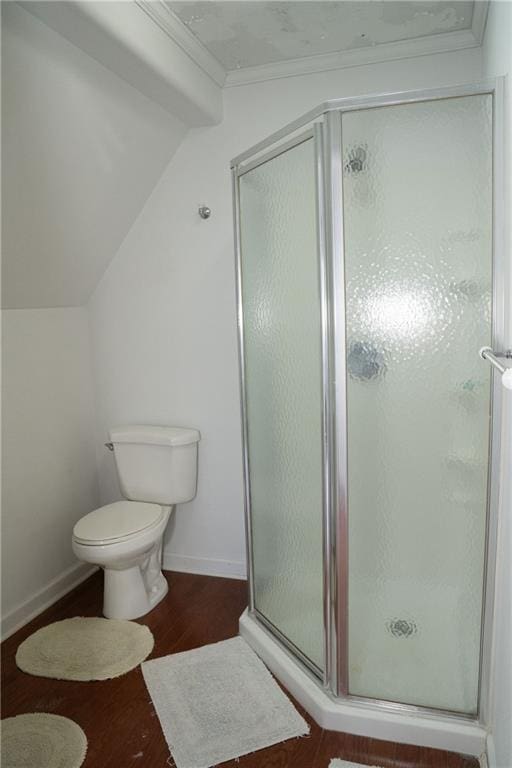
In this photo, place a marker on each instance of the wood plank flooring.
(118, 717)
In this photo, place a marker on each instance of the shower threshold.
(362, 718)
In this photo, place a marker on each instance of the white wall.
(81, 152)
(497, 60)
(141, 44)
(49, 472)
(163, 317)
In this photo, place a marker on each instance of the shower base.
(369, 719)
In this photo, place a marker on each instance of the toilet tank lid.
(153, 435)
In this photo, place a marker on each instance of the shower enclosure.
(369, 277)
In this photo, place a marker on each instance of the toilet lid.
(116, 521)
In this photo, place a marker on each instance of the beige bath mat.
(219, 702)
(42, 741)
(85, 649)
(344, 764)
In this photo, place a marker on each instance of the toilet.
(157, 469)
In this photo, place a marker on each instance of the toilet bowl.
(157, 468)
(129, 553)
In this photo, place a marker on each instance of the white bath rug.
(42, 741)
(219, 702)
(344, 764)
(85, 649)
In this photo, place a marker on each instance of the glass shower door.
(283, 400)
(417, 187)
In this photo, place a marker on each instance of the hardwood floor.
(118, 717)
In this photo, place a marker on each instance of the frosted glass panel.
(283, 393)
(417, 207)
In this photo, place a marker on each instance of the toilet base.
(131, 592)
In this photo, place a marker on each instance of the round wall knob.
(205, 212)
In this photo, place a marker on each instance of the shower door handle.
(495, 358)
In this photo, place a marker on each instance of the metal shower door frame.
(338, 518)
(327, 131)
(304, 133)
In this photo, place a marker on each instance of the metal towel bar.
(495, 359)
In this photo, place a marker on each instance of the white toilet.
(157, 468)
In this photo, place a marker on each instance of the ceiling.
(248, 34)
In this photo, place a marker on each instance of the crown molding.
(160, 13)
(382, 52)
(480, 13)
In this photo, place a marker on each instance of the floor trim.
(45, 597)
(204, 566)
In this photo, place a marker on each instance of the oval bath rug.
(41, 740)
(85, 649)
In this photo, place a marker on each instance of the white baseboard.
(74, 575)
(204, 565)
(53, 591)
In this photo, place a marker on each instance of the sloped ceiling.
(82, 150)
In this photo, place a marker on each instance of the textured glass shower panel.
(417, 208)
(281, 316)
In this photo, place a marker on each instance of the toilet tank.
(156, 464)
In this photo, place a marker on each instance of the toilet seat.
(117, 522)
